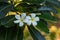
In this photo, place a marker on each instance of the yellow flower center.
(21, 19)
(32, 19)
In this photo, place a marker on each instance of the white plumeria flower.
(32, 20)
(20, 19)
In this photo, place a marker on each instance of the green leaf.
(44, 8)
(4, 9)
(50, 5)
(6, 1)
(46, 15)
(13, 33)
(2, 33)
(35, 33)
(8, 21)
(34, 1)
(43, 26)
(20, 8)
(23, 7)
(54, 2)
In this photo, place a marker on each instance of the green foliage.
(8, 21)
(33, 1)
(4, 9)
(13, 33)
(9, 30)
(35, 33)
(47, 15)
(54, 2)
(43, 26)
(4, 1)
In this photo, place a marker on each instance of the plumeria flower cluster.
(28, 19)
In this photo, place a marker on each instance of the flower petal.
(21, 24)
(34, 23)
(23, 15)
(29, 23)
(36, 18)
(33, 15)
(28, 17)
(17, 21)
(25, 20)
(17, 16)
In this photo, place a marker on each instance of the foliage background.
(47, 10)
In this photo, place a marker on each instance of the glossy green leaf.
(34, 1)
(50, 5)
(44, 8)
(13, 33)
(35, 33)
(25, 8)
(4, 9)
(8, 21)
(55, 2)
(2, 33)
(46, 15)
(43, 26)
(6, 1)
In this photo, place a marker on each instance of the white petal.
(25, 20)
(23, 15)
(28, 17)
(29, 23)
(34, 23)
(33, 15)
(21, 24)
(36, 18)
(17, 21)
(17, 16)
